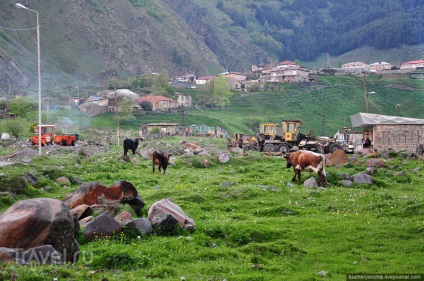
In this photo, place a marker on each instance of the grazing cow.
(309, 161)
(130, 145)
(161, 159)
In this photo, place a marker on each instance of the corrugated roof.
(362, 120)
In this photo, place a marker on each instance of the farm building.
(165, 129)
(390, 132)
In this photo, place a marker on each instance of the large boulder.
(101, 227)
(95, 193)
(165, 213)
(336, 158)
(38, 222)
(141, 224)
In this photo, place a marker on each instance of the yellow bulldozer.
(285, 138)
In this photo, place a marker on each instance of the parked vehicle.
(285, 138)
(48, 137)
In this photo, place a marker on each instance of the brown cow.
(309, 161)
(161, 159)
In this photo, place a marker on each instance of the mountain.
(91, 41)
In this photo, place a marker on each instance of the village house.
(284, 72)
(94, 106)
(203, 79)
(390, 132)
(381, 66)
(356, 66)
(412, 64)
(184, 100)
(159, 102)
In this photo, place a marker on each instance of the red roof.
(287, 62)
(414, 62)
(153, 99)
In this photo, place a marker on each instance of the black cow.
(130, 145)
(161, 159)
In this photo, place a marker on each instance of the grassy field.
(250, 224)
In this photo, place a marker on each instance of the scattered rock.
(81, 211)
(101, 226)
(311, 182)
(362, 178)
(123, 217)
(160, 214)
(31, 178)
(224, 157)
(142, 224)
(375, 162)
(63, 181)
(337, 158)
(345, 183)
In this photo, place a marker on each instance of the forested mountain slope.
(93, 40)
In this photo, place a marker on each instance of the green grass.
(256, 228)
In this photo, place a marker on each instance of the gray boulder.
(101, 226)
(362, 179)
(142, 224)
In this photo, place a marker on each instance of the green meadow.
(251, 225)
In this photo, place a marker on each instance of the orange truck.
(48, 137)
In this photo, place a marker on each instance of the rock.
(5, 136)
(362, 178)
(345, 183)
(375, 162)
(81, 211)
(224, 157)
(227, 183)
(322, 273)
(311, 182)
(31, 178)
(83, 222)
(63, 181)
(38, 222)
(337, 158)
(124, 158)
(123, 217)
(163, 213)
(93, 193)
(371, 171)
(345, 176)
(39, 255)
(142, 224)
(236, 150)
(290, 185)
(101, 226)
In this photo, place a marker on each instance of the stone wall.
(399, 137)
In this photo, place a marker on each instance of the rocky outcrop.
(38, 222)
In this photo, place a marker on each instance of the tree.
(221, 92)
(125, 110)
(15, 126)
(21, 106)
(146, 105)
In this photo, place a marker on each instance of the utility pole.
(366, 95)
(117, 115)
